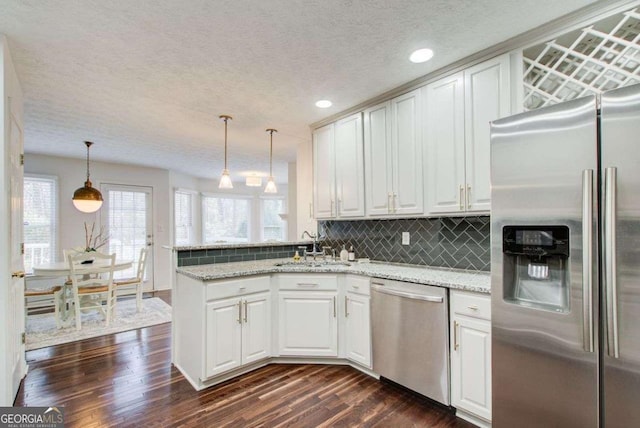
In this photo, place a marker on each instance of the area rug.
(41, 329)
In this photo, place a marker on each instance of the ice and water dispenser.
(536, 266)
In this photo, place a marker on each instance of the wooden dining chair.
(127, 286)
(52, 295)
(92, 286)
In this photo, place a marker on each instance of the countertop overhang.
(476, 281)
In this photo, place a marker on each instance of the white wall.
(71, 174)
(304, 189)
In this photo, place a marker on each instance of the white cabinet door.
(256, 328)
(324, 172)
(349, 167)
(377, 159)
(407, 197)
(471, 366)
(358, 329)
(223, 344)
(308, 324)
(487, 98)
(444, 144)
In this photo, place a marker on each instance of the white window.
(183, 218)
(273, 227)
(40, 220)
(225, 219)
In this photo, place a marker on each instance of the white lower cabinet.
(308, 323)
(471, 355)
(357, 321)
(238, 332)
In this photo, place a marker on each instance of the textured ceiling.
(146, 79)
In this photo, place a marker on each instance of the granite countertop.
(451, 278)
(241, 245)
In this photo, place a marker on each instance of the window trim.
(263, 198)
(194, 216)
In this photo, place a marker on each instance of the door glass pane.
(127, 226)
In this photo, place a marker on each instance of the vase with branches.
(94, 242)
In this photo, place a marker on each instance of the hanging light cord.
(271, 131)
(88, 144)
(225, 118)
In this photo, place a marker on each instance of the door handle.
(18, 274)
(468, 197)
(610, 275)
(334, 306)
(246, 313)
(461, 198)
(587, 259)
(239, 311)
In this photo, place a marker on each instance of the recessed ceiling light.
(324, 104)
(421, 55)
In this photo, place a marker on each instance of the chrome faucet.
(314, 251)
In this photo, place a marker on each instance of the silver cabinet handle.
(415, 296)
(455, 335)
(587, 259)
(610, 184)
(473, 307)
(306, 284)
(461, 198)
(468, 196)
(240, 312)
(346, 306)
(334, 306)
(331, 208)
(246, 313)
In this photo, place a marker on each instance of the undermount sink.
(314, 263)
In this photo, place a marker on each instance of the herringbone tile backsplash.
(452, 242)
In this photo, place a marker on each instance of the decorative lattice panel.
(603, 56)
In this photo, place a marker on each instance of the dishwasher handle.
(415, 296)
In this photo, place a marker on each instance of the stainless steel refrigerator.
(565, 264)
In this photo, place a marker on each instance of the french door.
(129, 225)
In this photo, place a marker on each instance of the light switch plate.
(405, 238)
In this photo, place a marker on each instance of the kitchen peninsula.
(230, 318)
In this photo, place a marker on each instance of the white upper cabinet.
(324, 171)
(349, 167)
(458, 110)
(444, 144)
(393, 157)
(338, 178)
(486, 98)
(377, 152)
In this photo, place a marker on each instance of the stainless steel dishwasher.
(411, 336)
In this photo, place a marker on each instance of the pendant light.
(225, 180)
(271, 185)
(87, 199)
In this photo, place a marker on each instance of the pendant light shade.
(87, 199)
(271, 185)
(225, 179)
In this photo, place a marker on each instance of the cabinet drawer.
(358, 285)
(237, 287)
(471, 304)
(308, 282)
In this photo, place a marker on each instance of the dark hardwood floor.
(127, 380)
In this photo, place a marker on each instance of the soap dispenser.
(344, 254)
(351, 254)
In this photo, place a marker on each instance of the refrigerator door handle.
(610, 184)
(587, 259)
